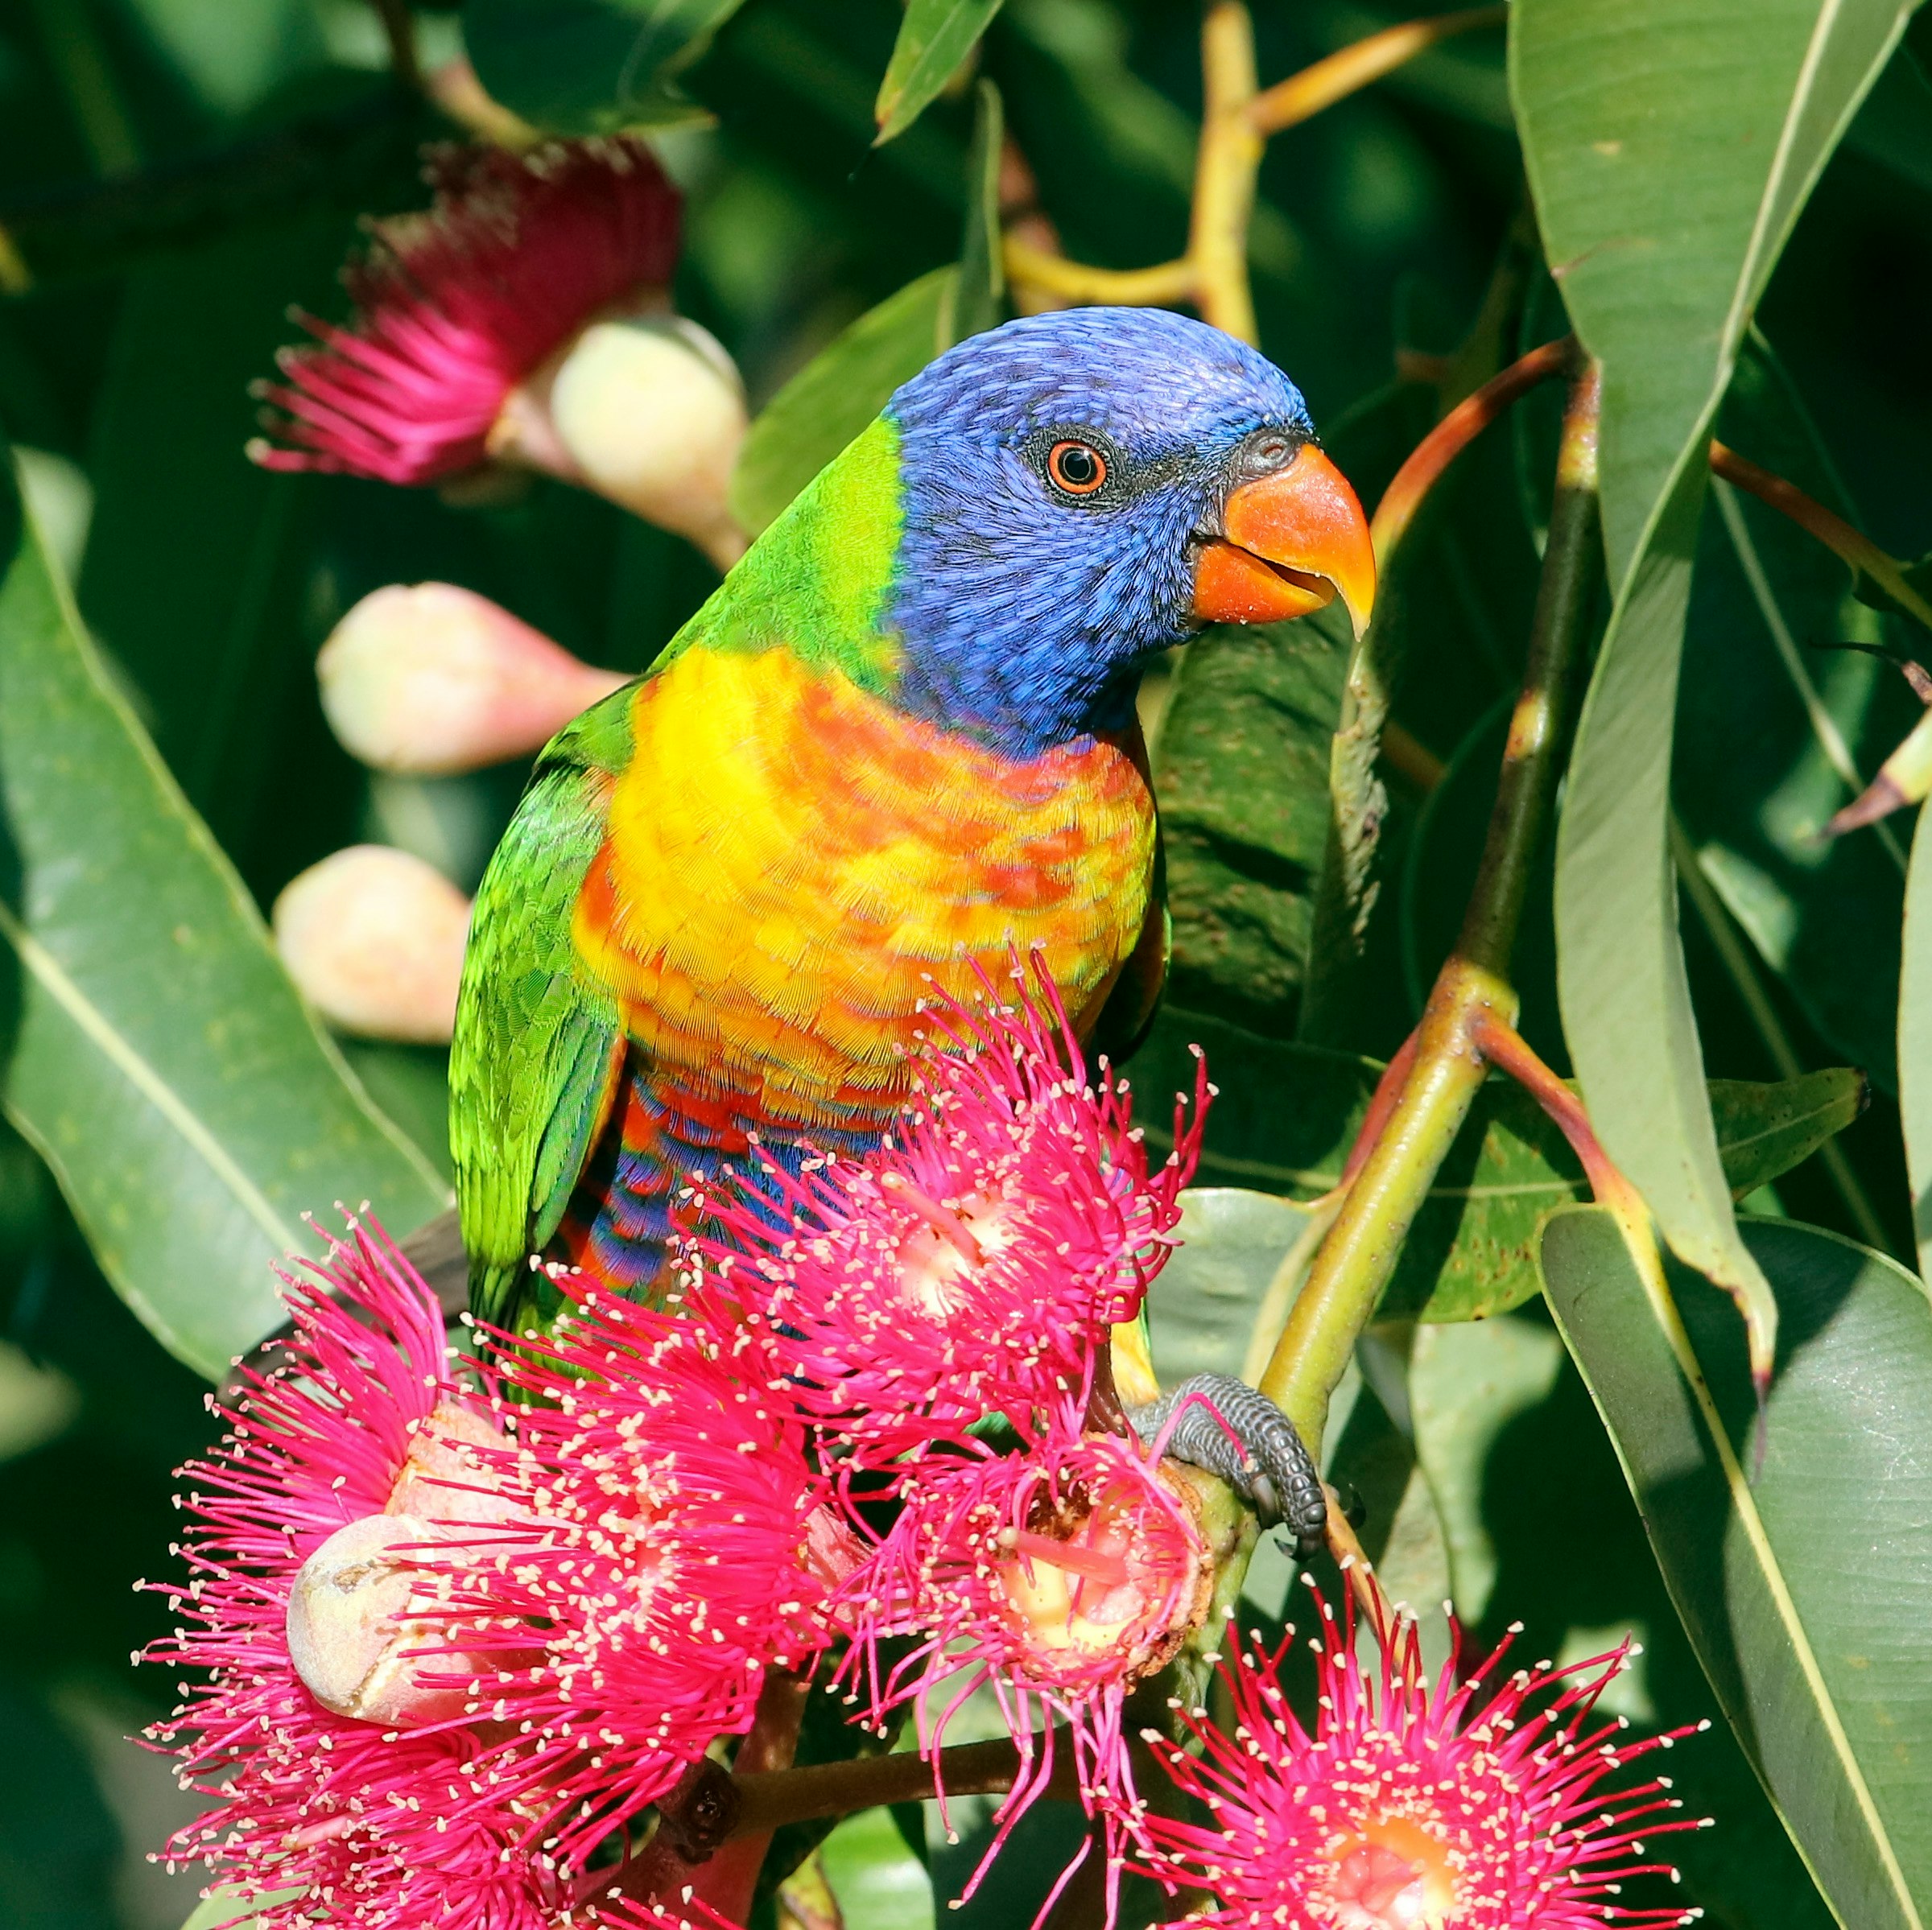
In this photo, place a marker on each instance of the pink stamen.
(950, 1227)
(1095, 1563)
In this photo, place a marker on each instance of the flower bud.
(453, 1472)
(430, 678)
(353, 1639)
(373, 939)
(649, 411)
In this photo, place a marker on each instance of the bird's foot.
(1226, 1427)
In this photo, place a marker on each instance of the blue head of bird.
(1082, 490)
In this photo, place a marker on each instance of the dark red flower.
(457, 307)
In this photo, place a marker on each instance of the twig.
(1302, 95)
(399, 30)
(1851, 546)
(1420, 473)
(1409, 757)
(1506, 1049)
(1127, 287)
(1236, 122)
(1539, 725)
(1352, 1560)
(1225, 168)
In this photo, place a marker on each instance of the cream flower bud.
(373, 939)
(649, 411)
(353, 1639)
(452, 1470)
(430, 677)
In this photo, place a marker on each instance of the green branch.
(1472, 991)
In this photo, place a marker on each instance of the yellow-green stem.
(1359, 1254)
(1473, 992)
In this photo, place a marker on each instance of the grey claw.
(1269, 1467)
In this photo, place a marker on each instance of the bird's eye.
(1078, 468)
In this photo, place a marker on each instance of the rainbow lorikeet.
(900, 737)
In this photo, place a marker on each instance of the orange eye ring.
(1077, 468)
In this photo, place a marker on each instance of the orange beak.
(1293, 541)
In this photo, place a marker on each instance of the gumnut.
(357, 1634)
(431, 679)
(373, 939)
(452, 1474)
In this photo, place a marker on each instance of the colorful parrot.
(900, 738)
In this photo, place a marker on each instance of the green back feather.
(536, 1049)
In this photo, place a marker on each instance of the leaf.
(1285, 1116)
(58, 1841)
(591, 67)
(935, 38)
(160, 1061)
(837, 393)
(879, 1883)
(1669, 152)
(217, 1911)
(1802, 730)
(1915, 1041)
(1201, 1309)
(1807, 1592)
(1468, 1385)
(1242, 769)
(979, 299)
(216, 658)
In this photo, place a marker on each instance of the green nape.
(816, 582)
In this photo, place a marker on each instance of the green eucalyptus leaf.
(935, 38)
(1241, 770)
(157, 1057)
(1915, 1041)
(591, 67)
(876, 1879)
(1669, 150)
(1917, 574)
(1774, 734)
(1468, 1385)
(837, 393)
(1285, 1115)
(979, 295)
(1806, 1588)
(218, 1910)
(1201, 1309)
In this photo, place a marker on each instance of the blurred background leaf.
(935, 38)
(591, 67)
(159, 1059)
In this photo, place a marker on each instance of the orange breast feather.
(789, 861)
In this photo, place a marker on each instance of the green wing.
(539, 1044)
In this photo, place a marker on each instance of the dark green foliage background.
(175, 172)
